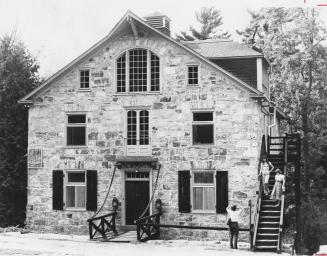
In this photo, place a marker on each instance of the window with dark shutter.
(92, 190)
(184, 202)
(221, 191)
(57, 190)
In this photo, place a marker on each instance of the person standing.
(265, 169)
(233, 216)
(279, 187)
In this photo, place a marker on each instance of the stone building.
(141, 101)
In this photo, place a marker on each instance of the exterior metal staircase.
(269, 218)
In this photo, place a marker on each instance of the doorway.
(137, 195)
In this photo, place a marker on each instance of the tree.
(210, 20)
(294, 41)
(18, 76)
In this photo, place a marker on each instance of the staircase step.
(266, 242)
(269, 219)
(270, 208)
(268, 236)
(268, 225)
(266, 248)
(269, 213)
(270, 231)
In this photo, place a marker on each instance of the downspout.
(274, 122)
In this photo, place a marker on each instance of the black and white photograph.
(141, 128)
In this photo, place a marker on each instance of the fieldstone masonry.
(238, 127)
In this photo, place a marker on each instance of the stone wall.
(238, 130)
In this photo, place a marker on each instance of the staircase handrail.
(279, 245)
(258, 205)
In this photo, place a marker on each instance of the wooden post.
(298, 195)
(138, 231)
(250, 225)
(114, 223)
(90, 229)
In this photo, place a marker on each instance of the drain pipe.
(274, 121)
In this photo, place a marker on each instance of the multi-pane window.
(138, 70)
(203, 191)
(84, 78)
(203, 128)
(75, 190)
(138, 127)
(76, 130)
(121, 74)
(131, 128)
(193, 75)
(155, 72)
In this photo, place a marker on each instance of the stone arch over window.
(138, 70)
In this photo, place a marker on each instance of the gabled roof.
(118, 27)
(221, 48)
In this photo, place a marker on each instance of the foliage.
(294, 42)
(210, 20)
(18, 75)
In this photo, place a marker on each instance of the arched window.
(138, 70)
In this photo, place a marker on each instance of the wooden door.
(137, 198)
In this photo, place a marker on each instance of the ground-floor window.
(203, 191)
(75, 190)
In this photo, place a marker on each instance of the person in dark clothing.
(233, 219)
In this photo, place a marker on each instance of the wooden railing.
(147, 227)
(258, 205)
(102, 225)
(280, 237)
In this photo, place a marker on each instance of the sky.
(58, 31)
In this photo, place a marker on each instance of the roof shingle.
(221, 48)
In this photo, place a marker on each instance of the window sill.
(136, 93)
(75, 147)
(203, 212)
(76, 210)
(202, 145)
(84, 90)
(193, 85)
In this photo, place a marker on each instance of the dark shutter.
(57, 190)
(184, 202)
(92, 190)
(221, 191)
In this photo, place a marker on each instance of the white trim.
(259, 74)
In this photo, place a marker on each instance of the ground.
(15, 243)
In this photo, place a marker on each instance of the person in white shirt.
(265, 169)
(233, 219)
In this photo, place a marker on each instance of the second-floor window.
(138, 127)
(203, 128)
(84, 79)
(138, 70)
(193, 75)
(76, 130)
